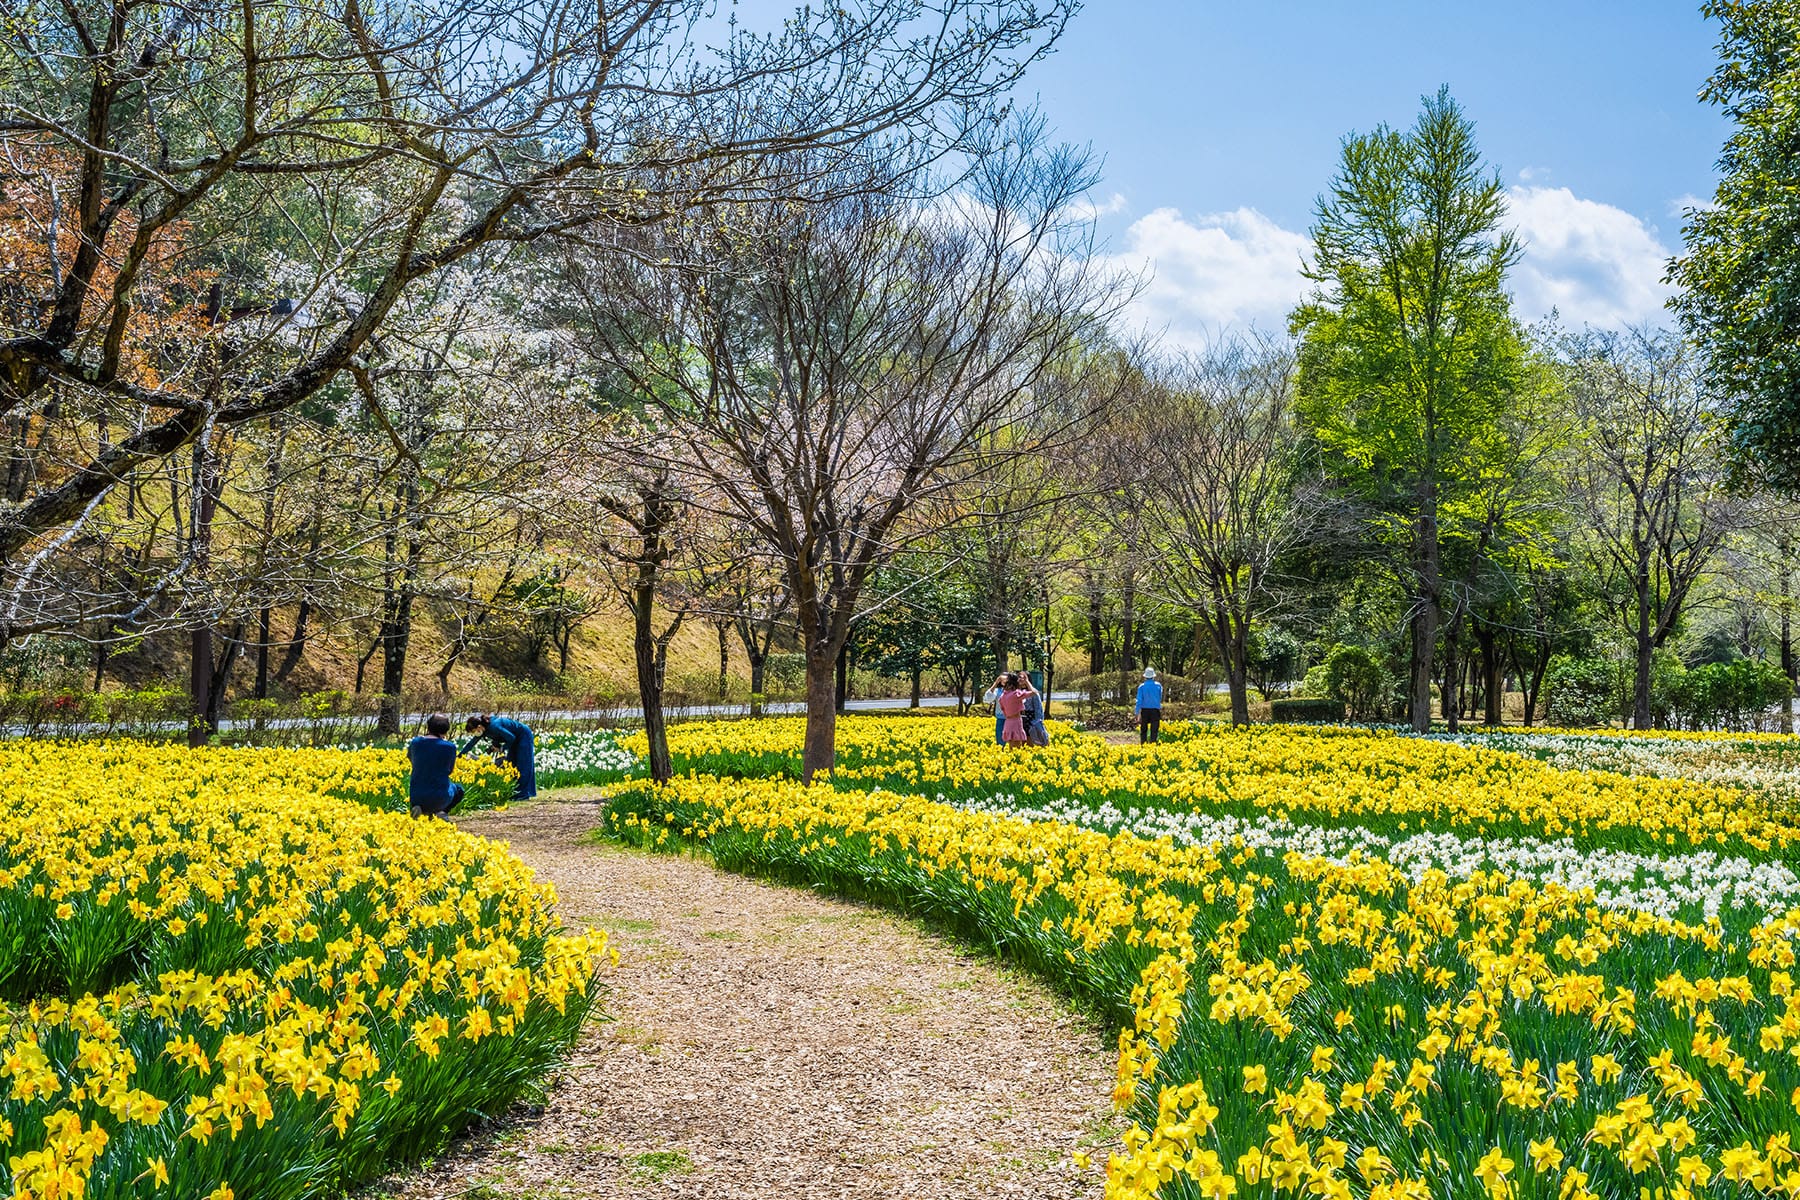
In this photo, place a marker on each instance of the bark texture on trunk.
(758, 672)
(1096, 648)
(1493, 687)
(820, 747)
(1784, 581)
(643, 646)
(1427, 610)
(203, 715)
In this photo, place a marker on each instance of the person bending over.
(431, 792)
(512, 742)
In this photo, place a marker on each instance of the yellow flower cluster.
(225, 969)
(1307, 1027)
(1309, 773)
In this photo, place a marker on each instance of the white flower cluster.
(580, 753)
(1770, 769)
(1687, 886)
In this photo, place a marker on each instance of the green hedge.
(1305, 710)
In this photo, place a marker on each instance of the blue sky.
(1220, 124)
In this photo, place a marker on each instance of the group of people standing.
(1018, 711)
(433, 793)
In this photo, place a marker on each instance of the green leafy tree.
(1409, 351)
(934, 620)
(1737, 299)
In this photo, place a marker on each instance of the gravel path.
(768, 1042)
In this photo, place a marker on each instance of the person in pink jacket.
(1012, 707)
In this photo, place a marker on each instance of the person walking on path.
(430, 791)
(512, 740)
(992, 696)
(1012, 709)
(1149, 708)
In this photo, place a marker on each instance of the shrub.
(1313, 686)
(1581, 691)
(1306, 710)
(1734, 695)
(1355, 676)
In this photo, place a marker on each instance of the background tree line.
(324, 331)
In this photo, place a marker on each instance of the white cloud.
(1089, 209)
(1215, 272)
(1533, 174)
(1678, 207)
(1591, 262)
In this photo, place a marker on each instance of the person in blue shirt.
(512, 742)
(1149, 707)
(431, 792)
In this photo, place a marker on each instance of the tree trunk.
(643, 644)
(758, 668)
(918, 685)
(1493, 685)
(842, 693)
(1427, 611)
(297, 643)
(1128, 621)
(1535, 687)
(1237, 673)
(200, 649)
(1096, 648)
(1784, 579)
(221, 675)
(724, 628)
(1644, 646)
(1451, 705)
(820, 750)
(1640, 683)
(362, 664)
(264, 618)
(646, 651)
(200, 667)
(396, 637)
(1230, 633)
(1418, 700)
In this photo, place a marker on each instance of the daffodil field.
(243, 973)
(1344, 963)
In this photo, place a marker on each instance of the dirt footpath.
(769, 1042)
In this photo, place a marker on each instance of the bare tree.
(829, 371)
(753, 598)
(316, 163)
(1218, 449)
(1650, 478)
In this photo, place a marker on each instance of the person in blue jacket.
(512, 742)
(430, 791)
(1149, 707)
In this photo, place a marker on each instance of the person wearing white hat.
(1149, 707)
